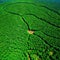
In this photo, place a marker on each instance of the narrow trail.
(56, 48)
(42, 19)
(34, 14)
(49, 9)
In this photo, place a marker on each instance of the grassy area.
(15, 41)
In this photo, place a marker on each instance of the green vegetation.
(16, 19)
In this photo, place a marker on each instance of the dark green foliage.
(15, 41)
